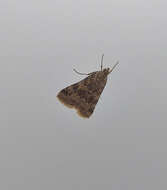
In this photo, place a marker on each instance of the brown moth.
(84, 95)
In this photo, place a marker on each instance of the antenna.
(102, 62)
(113, 67)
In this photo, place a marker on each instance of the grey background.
(43, 144)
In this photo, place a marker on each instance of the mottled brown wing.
(83, 96)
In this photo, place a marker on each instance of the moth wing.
(67, 96)
(83, 96)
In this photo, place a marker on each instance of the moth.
(84, 95)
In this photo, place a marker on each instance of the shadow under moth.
(84, 95)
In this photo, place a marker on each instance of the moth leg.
(81, 73)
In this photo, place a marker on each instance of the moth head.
(110, 70)
(106, 71)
